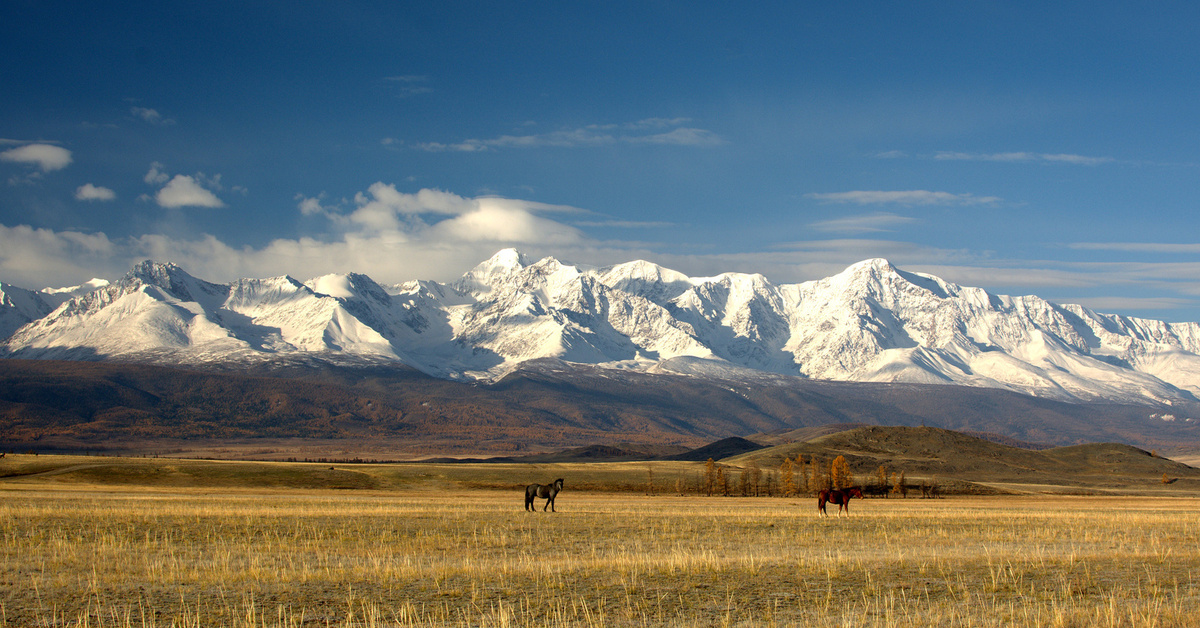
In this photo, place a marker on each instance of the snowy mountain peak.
(507, 258)
(881, 281)
(19, 307)
(871, 322)
(173, 280)
(58, 296)
(481, 279)
(151, 272)
(645, 279)
(348, 286)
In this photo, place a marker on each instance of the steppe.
(89, 541)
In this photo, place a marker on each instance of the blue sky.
(1026, 148)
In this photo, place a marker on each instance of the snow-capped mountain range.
(872, 322)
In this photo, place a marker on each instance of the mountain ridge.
(873, 322)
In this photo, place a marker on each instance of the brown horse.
(841, 497)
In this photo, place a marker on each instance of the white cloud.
(1138, 247)
(156, 176)
(46, 157)
(185, 191)
(89, 192)
(443, 250)
(877, 222)
(624, 224)
(505, 223)
(39, 258)
(903, 197)
(312, 206)
(680, 137)
(396, 236)
(648, 131)
(408, 85)
(1025, 156)
(151, 116)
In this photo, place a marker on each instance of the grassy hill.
(957, 463)
(955, 459)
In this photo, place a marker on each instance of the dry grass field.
(83, 548)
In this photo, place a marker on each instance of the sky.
(1044, 148)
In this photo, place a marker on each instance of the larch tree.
(787, 476)
(839, 473)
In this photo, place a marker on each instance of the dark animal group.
(548, 492)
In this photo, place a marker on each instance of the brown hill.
(966, 463)
(310, 408)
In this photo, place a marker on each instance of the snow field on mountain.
(871, 322)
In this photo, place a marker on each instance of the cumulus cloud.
(38, 258)
(89, 192)
(156, 176)
(902, 197)
(185, 191)
(46, 157)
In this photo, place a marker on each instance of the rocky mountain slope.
(871, 323)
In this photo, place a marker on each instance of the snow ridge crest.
(871, 322)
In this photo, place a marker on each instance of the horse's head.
(558, 483)
(854, 491)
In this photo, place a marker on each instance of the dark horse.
(841, 497)
(545, 491)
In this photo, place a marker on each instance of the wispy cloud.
(1137, 247)
(661, 131)
(902, 197)
(151, 116)
(624, 224)
(869, 223)
(408, 85)
(1081, 160)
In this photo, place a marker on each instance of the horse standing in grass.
(545, 491)
(841, 497)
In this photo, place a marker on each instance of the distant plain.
(90, 541)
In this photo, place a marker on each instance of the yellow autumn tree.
(839, 473)
(787, 476)
(710, 476)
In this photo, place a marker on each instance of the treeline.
(804, 477)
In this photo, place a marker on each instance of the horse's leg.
(551, 502)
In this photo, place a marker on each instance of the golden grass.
(100, 557)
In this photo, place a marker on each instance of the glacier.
(873, 322)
